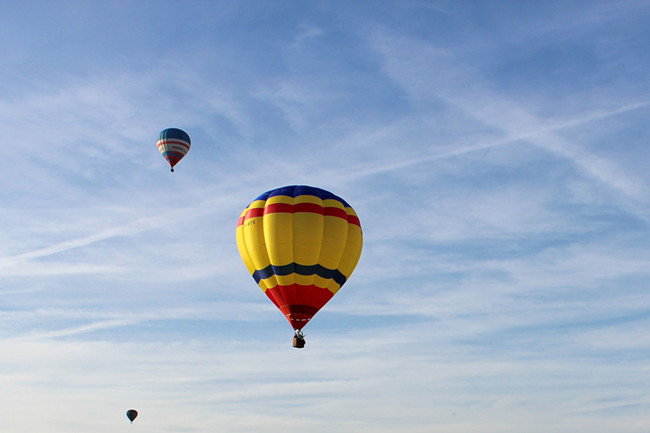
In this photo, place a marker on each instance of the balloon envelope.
(300, 244)
(173, 144)
(131, 414)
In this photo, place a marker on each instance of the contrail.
(134, 227)
(143, 224)
(533, 135)
(461, 88)
(106, 324)
(128, 229)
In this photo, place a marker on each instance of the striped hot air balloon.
(300, 244)
(173, 144)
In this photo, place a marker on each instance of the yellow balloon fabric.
(300, 244)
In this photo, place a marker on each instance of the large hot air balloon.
(173, 144)
(131, 414)
(300, 244)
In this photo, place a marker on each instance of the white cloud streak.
(464, 91)
(480, 308)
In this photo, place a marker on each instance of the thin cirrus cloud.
(508, 116)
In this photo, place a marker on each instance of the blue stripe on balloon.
(299, 269)
(298, 190)
(168, 153)
(174, 133)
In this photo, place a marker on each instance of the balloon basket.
(298, 339)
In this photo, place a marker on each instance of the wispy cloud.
(502, 281)
(515, 122)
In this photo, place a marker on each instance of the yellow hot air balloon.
(300, 244)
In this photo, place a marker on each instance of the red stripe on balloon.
(250, 213)
(299, 207)
(294, 208)
(354, 220)
(299, 303)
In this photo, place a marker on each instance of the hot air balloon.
(173, 144)
(300, 244)
(131, 414)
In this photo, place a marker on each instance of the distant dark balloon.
(173, 144)
(131, 414)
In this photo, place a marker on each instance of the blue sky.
(495, 152)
